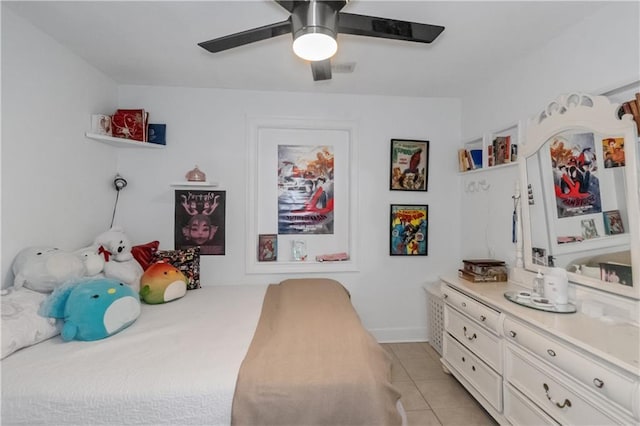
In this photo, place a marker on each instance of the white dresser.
(529, 367)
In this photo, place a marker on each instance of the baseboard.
(398, 335)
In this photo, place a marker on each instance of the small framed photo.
(589, 229)
(409, 230)
(101, 124)
(613, 152)
(267, 247)
(613, 222)
(539, 256)
(616, 273)
(409, 169)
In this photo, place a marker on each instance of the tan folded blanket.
(312, 363)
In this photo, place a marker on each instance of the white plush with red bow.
(115, 247)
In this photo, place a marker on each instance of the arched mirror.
(580, 208)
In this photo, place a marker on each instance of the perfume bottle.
(538, 285)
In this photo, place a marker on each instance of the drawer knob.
(512, 333)
(598, 383)
(463, 359)
(482, 318)
(446, 296)
(473, 367)
(566, 402)
(464, 305)
(464, 329)
(551, 352)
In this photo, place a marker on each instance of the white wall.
(601, 52)
(208, 127)
(55, 183)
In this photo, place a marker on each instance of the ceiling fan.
(315, 24)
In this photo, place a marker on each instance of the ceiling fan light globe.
(315, 46)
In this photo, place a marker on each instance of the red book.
(130, 124)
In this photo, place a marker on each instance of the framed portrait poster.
(409, 169)
(409, 230)
(200, 221)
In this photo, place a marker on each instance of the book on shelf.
(130, 124)
(514, 152)
(469, 159)
(635, 111)
(156, 133)
(502, 149)
(632, 107)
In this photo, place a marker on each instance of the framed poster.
(305, 189)
(267, 247)
(409, 230)
(575, 174)
(409, 169)
(613, 222)
(302, 186)
(613, 152)
(200, 221)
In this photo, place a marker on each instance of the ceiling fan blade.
(287, 4)
(246, 37)
(321, 70)
(371, 26)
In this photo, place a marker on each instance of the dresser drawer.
(556, 396)
(486, 381)
(483, 314)
(600, 378)
(475, 337)
(520, 411)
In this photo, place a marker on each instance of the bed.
(291, 353)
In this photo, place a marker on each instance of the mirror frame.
(583, 112)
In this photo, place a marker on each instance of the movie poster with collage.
(305, 189)
(575, 174)
(200, 221)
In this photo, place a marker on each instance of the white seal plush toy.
(43, 269)
(119, 262)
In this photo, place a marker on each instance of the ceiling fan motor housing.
(314, 17)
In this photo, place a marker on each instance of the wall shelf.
(187, 184)
(485, 142)
(121, 142)
(486, 169)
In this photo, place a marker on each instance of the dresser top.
(617, 343)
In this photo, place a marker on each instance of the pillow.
(144, 253)
(93, 308)
(162, 283)
(187, 261)
(21, 324)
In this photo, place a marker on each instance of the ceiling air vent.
(343, 67)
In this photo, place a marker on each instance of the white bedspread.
(177, 364)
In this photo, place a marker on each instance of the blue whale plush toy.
(93, 309)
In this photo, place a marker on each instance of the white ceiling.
(155, 43)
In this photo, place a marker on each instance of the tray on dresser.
(525, 299)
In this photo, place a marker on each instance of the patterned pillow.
(143, 253)
(187, 261)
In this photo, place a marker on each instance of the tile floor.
(430, 396)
